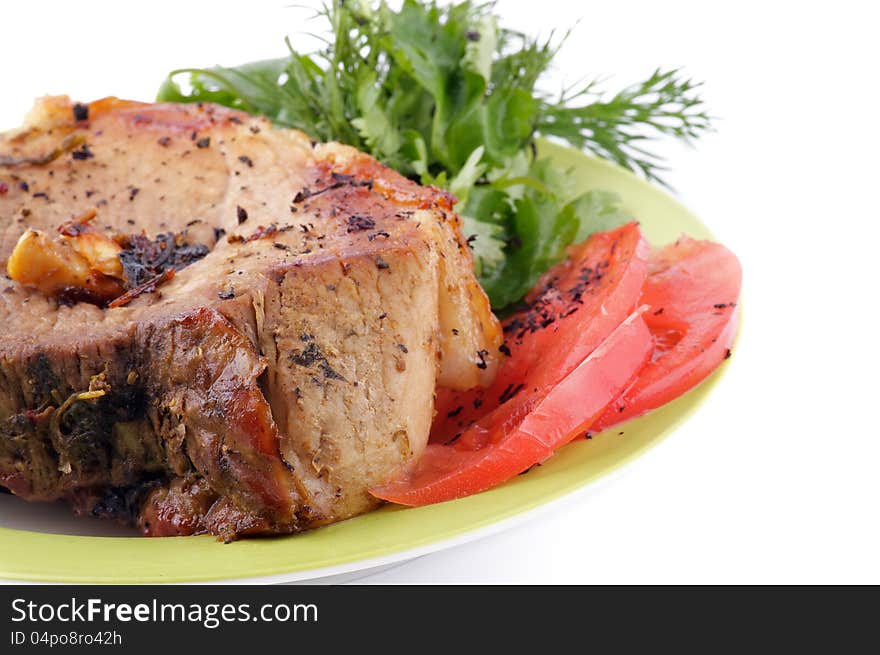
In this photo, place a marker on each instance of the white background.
(776, 478)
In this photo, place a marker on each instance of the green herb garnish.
(447, 97)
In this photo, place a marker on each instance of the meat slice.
(292, 307)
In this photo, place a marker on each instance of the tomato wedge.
(527, 429)
(692, 289)
(573, 308)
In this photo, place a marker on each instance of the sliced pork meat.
(250, 334)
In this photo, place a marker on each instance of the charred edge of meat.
(26, 452)
(119, 504)
(143, 259)
(78, 439)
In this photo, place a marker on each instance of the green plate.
(392, 533)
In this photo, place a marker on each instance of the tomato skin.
(592, 371)
(692, 288)
(527, 429)
(582, 299)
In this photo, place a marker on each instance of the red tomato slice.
(692, 288)
(573, 308)
(529, 428)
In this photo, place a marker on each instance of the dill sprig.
(666, 104)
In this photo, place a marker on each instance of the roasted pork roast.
(210, 325)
